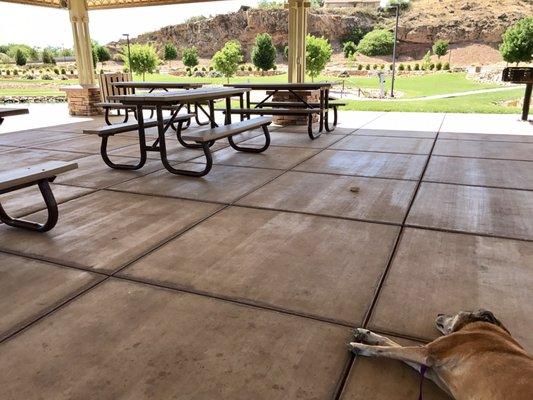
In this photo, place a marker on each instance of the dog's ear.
(486, 316)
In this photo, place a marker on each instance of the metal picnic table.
(8, 112)
(293, 88)
(164, 86)
(178, 100)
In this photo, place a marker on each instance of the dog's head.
(452, 323)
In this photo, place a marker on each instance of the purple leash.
(423, 369)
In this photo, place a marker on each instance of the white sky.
(40, 26)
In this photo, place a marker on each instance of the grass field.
(410, 86)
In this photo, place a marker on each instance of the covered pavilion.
(88, 92)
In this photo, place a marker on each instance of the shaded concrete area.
(246, 283)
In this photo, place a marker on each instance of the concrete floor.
(245, 284)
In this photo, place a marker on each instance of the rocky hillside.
(459, 21)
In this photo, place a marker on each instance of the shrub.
(195, 69)
(517, 45)
(382, 66)
(401, 67)
(15, 72)
(446, 66)
(102, 53)
(375, 66)
(286, 52)
(356, 35)
(189, 57)
(56, 71)
(46, 77)
(188, 69)
(409, 68)
(211, 68)
(29, 77)
(170, 52)
(359, 67)
(242, 67)
(63, 71)
(391, 67)
(71, 72)
(275, 67)
(204, 69)
(349, 48)
(417, 67)
(48, 57)
(227, 60)
(20, 58)
(250, 69)
(367, 67)
(438, 66)
(426, 61)
(378, 42)
(318, 52)
(431, 66)
(263, 52)
(440, 48)
(143, 59)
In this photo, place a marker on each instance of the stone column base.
(82, 99)
(311, 96)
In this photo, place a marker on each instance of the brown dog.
(476, 359)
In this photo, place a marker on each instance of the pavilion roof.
(102, 4)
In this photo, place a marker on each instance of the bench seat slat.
(34, 173)
(275, 111)
(298, 104)
(120, 106)
(206, 135)
(109, 130)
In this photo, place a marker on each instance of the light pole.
(129, 53)
(396, 4)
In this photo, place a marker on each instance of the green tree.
(48, 57)
(190, 57)
(143, 59)
(426, 61)
(227, 60)
(378, 42)
(440, 48)
(20, 58)
(349, 49)
(517, 43)
(170, 52)
(94, 55)
(356, 35)
(103, 53)
(318, 52)
(264, 52)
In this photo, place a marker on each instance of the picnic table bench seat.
(308, 112)
(110, 130)
(206, 137)
(40, 175)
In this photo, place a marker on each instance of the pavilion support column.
(83, 97)
(297, 34)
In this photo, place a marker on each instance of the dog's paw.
(361, 335)
(358, 348)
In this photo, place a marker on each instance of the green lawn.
(485, 103)
(412, 87)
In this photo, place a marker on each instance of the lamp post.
(394, 4)
(128, 43)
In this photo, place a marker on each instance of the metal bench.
(332, 103)
(308, 112)
(206, 137)
(40, 175)
(106, 132)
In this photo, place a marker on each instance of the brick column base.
(308, 95)
(82, 99)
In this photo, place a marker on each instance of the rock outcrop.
(459, 21)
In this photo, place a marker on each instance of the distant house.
(351, 3)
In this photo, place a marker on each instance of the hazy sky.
(40, 26)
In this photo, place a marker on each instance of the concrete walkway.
(245, 284)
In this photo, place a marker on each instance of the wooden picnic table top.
(158, 85)
(282, 86)
(188, 96)
(34, 173)
(7, 112)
